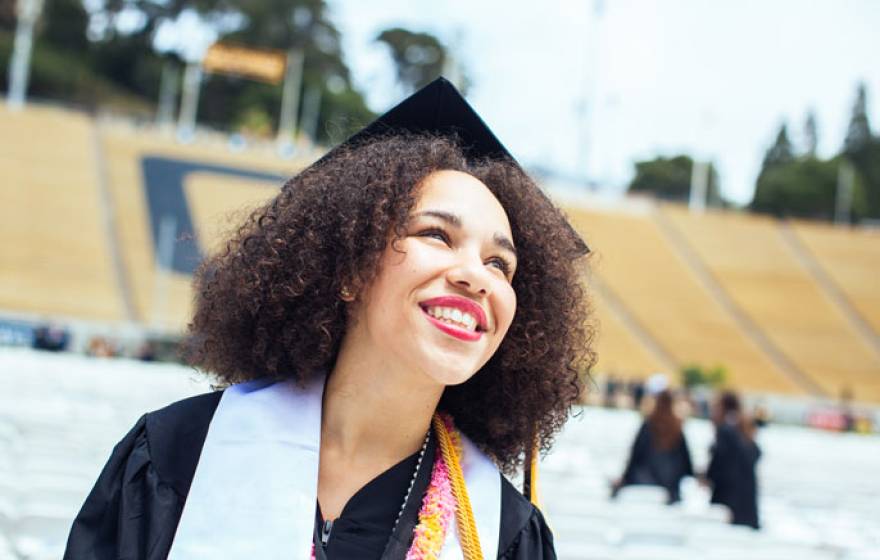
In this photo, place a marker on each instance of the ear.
(346, 295)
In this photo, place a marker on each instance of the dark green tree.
(781, 152)
(226, 102)
(418, 57)
(863, 149)
(771, 195)
(805, 188)
(858, 134)
(64, 24)
(62, 65)
(793, 185)
(867, 163)
(7, 15)
(670, 179)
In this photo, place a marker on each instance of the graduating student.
(735, 454)
(401, 325)
(659, 454)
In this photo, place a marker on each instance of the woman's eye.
(500, 264)
(435, 234)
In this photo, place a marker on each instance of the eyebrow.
(455, 221)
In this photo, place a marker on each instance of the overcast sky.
(589, 89)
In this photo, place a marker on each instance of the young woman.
(659, 454)
(402, 322)
(735, 454)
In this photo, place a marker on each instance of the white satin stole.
(255, 487)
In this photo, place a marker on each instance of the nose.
(471, 275)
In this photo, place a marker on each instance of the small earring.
(345, 294)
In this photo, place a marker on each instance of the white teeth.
(454, 316)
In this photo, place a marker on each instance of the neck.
(374, 409)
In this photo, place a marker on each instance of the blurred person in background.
(401, 324)
(612, 386)
(731, 471)
(636, 388)
(659, 454)
(53, 338)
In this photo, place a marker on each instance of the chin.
(444, 360)
(449, 369)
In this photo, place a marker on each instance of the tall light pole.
(290, 101)
(699, 185)
(189, 104)
(19, 68)
(846, 176)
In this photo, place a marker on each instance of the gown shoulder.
(133, 509)
(524, 532)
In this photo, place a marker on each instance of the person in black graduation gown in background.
(731, 471)
(419, 298)
(659, 454)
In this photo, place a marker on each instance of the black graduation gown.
(133, 510)
(649, 465)
(732, 474)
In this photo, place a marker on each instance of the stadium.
(107, 215)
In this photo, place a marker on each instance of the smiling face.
(443, 301)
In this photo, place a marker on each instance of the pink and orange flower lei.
(435, 515)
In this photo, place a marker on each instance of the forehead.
(465, 196)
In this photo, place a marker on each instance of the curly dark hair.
(268, 305)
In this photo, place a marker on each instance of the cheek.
(400, 272)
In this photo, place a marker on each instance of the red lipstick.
(463, 304)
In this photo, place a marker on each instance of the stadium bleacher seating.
(852, 259)
(55, 257)
(749, 259)
(619, 352)
(79, 221)
(638, 263)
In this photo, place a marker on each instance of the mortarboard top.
(438, 108)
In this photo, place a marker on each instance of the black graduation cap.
(438, 108)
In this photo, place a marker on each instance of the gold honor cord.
(534, 496)
(530, 482)
(464, 515)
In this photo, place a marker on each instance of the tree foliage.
(803, 185)
(7, 15)
(781, 152)
(670, 179)
(806, 188)
(418, 57)
(695, 375)
(101, 58)
(862, 148)
(231, 102)
(858, 133)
